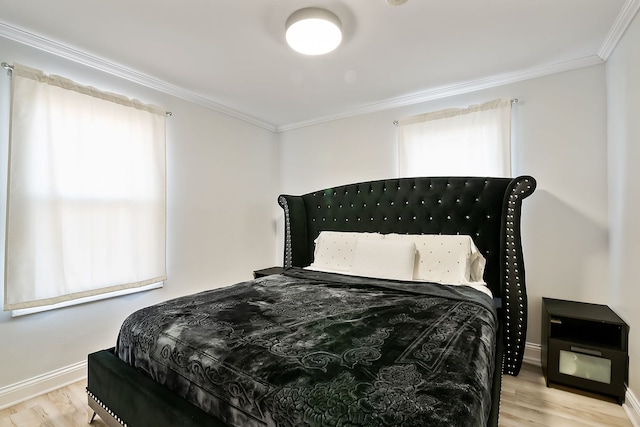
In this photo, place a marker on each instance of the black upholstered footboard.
(130, 398)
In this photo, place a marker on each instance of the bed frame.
(487, 209)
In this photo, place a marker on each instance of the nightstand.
(267, 272)
(585, 346)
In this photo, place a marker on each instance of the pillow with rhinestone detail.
(447, 259)
(334, 250)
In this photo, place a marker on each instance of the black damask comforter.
(319, 349)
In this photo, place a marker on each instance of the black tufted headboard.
(487, 209)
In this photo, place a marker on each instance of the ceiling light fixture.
(313, 31)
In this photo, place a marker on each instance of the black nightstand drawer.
(592, 368)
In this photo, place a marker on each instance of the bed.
(356, 339)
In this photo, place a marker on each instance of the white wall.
(559, 138)
(623, 90)
(222, 188)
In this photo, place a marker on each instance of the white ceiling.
(231, 54)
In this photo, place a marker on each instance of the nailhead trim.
(288, 257)
(106, 408)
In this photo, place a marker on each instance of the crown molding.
(620, 25)
(117, 70)
(452, 90)
(616, 32)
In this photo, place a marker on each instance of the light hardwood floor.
(526, 401)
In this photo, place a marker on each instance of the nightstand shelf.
(585, 346)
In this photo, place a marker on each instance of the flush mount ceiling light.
(313, 31)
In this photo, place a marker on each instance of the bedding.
(444, 259)
(321, 349)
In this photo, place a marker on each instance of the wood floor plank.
(526, 401)
(66, 407)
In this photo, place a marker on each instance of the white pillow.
(447, 259)
(335, 249)
(384, 259)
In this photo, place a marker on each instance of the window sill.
(26, 311)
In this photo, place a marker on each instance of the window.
(474, 141)
(86, 198)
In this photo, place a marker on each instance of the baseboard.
(632, 408)
(532, 354)
(28, 389)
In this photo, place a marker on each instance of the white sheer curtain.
(474, 141)
(86, 197)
